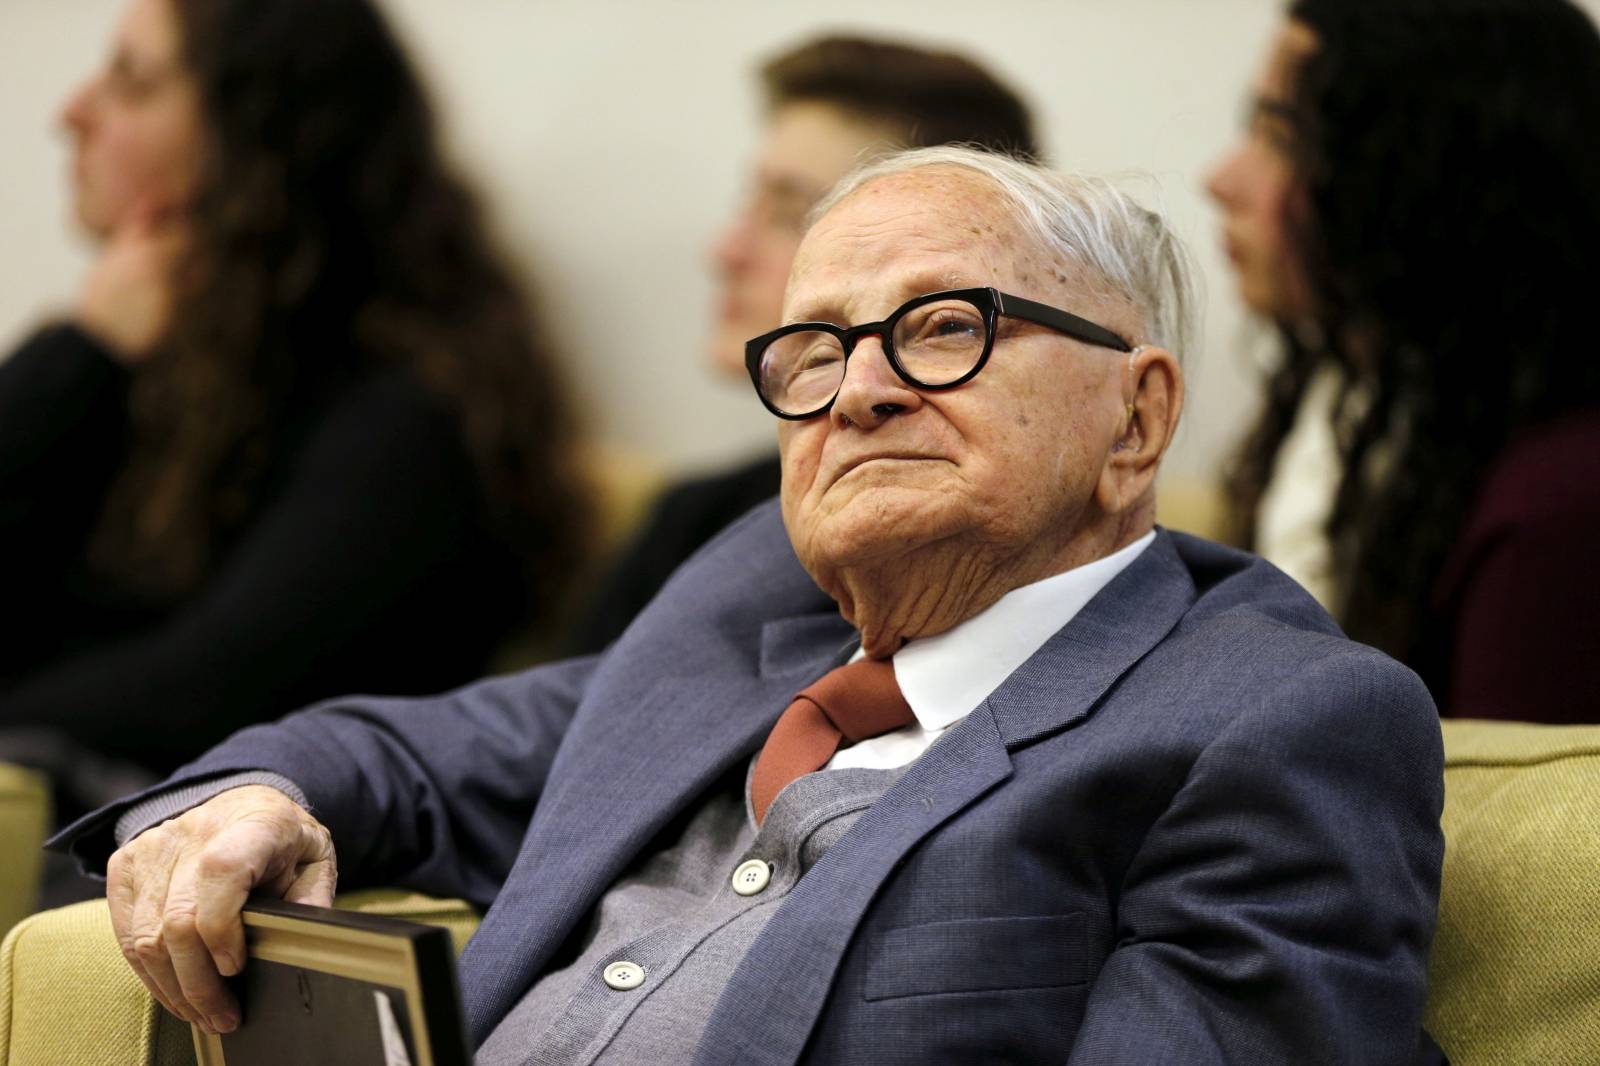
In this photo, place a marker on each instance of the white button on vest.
(751, 877)
(623, 975)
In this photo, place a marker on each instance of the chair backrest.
(1515, 970)
(24, 819)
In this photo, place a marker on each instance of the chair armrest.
(68, 998)
(24, 819)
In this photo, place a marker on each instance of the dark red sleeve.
(1521, 595)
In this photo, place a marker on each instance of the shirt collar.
(944, 677)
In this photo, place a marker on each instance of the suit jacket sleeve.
(433, 793)
(1282, 908)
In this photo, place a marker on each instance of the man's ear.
(1152, 404)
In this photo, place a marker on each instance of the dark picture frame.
(344, 987)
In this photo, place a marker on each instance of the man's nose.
(872, 392)
(1220, 178)
(75, 109)
(731, 250)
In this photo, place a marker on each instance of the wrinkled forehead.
(913, 232)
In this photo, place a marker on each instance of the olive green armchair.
(24, 818)
(1515, 971)
(67, 998)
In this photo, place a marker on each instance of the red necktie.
(849, 704)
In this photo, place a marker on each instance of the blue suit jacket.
(1199, 825)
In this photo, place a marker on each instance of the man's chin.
(89, 223)
(890, 477)
(876, 524)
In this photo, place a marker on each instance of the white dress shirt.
(1292, 520)
(944, 677)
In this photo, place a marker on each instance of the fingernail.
(227, 965)
(225, 1022)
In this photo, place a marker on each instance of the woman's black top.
(367, 566)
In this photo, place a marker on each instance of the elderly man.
(1115, 794)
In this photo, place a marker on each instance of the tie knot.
(850, 703)
(862, 699)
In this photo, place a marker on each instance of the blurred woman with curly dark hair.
(298, 438)
(1416, 204)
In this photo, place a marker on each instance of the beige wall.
(611, 137)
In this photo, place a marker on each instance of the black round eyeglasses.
(935, 341)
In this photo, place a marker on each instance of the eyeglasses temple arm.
(1065, 321)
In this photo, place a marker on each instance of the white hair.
(1084, 221)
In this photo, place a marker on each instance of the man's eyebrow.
(955, 279)
(794, 188)
(830, 308)
(920, 284)
(818, 310)
(1271, 107)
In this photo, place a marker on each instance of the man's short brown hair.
(930, 97)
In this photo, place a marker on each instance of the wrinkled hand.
(176, 891)
(127, 298)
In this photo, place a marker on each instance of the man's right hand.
(176, 891)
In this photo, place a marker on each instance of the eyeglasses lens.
(940, 342)
(801, 372)
(936, 344)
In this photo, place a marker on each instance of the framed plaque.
(325, 986)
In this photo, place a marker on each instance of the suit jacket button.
(623, 976)
(751, 877)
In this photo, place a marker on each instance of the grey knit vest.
(665, 939)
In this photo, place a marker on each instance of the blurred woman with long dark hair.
(1417, 205)
(299, 438)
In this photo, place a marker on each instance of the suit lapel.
(1063, 681)
(630, 763)
(767, 1012)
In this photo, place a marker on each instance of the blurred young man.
(830, 103)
